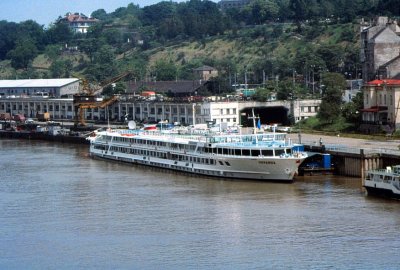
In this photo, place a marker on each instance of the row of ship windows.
(247, 152)
(152, 143)
(163, 155)
(217, 151)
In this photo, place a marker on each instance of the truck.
(5, 116)
(19, 118)
(43, 117)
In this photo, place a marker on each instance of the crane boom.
(87, 99)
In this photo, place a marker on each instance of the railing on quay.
(353, 150)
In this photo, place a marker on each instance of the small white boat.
(383, 182)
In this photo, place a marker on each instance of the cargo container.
(43, 117)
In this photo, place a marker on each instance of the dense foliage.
(112, 46)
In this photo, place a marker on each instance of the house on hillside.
(78, 22)
(205, 73)
(381, 106)
(380, 49)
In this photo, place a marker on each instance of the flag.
(258, 123)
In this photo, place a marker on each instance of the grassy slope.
(243, 48)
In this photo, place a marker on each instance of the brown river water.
(60, 209)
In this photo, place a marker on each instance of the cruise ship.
(266, 156)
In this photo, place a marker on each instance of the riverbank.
(76, 139)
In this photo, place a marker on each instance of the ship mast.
(254, 121)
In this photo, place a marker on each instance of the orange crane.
(87, 99)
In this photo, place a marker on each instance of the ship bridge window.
(267, 152)
(279, 152)
(225, 151)
(255, 153)
(238, 152)
(288, 151)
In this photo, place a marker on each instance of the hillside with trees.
(288, 46)
(275, 36)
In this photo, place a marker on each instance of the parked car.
(283, 129)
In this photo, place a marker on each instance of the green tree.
(299, 10)
(100, 14)
(331, 105)
(103, 65)
(114, 89)
(165, 70)
(352, 110)
(53, 51)
(23, 54)
(59, 33)
(8, 37)
(61, 69)
(90, 46)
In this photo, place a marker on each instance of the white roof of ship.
(36, 83)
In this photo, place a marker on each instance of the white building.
(153, 111)
(78, 22)
(381, 105)
(39, 87)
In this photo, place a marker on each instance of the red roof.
(386, 82)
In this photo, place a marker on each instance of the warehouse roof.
(36, 83)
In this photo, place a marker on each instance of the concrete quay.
(345, 142)
(351, 156)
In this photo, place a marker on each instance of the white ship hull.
(273, 168)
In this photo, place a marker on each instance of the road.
(340, 141)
